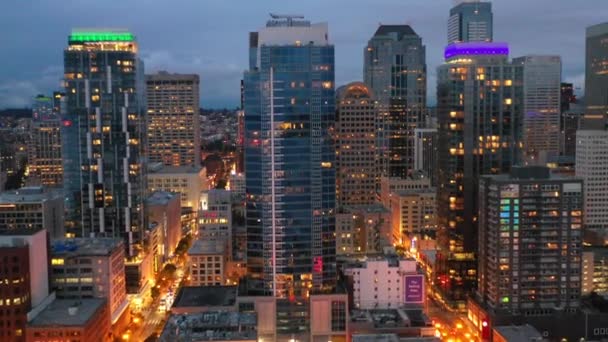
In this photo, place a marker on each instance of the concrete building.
(590, 165)
(211, 326)
(32, 208)
(71, 320)
(542, 107)
(188, 181)
(363, 229)
(385, 282)
(413, 211)
(470, 21)
(395, 69)
(215, 217)
(164, 208)
(356, 153)
(516, 333)
(595, 271)
(425, 152)
(237, 185)
(596, 69)
(196, 299)
(388, 185)
(388, 325)
(174, 135)
(522, 272)
(103, 136)
(44, 145)
(91, 268)
(25, 269)
(207, 263)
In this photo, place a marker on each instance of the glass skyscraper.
(470, 21)
(102, 136)
(395, 69)
(596, 69)
(289, 103)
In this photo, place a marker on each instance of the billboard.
(414, 289)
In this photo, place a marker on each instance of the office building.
(363, 229)
(90, 268)
(388, 185)
(530, 237)
(425, 152)
(207, 260)
(44, 144)
(215, 218)
(595, 271)
(174, 135)
(542, 107)
(66, 319)
(470, 21)
(596, 69)
(164, 208)
(237, 186)
(103, 136)
(413, 211)
(590, 164)
(356, 154)
(32, 208)
(188, 181)
(26, 288)
(395, 70)
(290, 170)
(211, 326)
(385, 282)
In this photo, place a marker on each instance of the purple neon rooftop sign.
(476, 49)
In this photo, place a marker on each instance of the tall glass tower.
(103, 136)
(470, 21)
(596, 69)
(395, 69)
(289, 105)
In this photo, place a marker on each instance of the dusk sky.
(209, 37)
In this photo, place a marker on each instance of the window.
(338, 316)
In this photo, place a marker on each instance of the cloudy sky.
(209, 37)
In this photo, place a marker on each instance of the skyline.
(192, 44)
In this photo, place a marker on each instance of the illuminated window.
(508, 101)
(326, 85)
(57, 261)
(508, 83)
(95, 98)
(326, 165)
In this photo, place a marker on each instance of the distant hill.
(16, 112)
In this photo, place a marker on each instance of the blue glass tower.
(470, 21)
(289, 104)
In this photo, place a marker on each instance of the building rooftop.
(161, 197)
(206, 247)
(376, 208)
(211, 326)
(166, 76)
(159, 168)
(400, 30)
(30, 194)
(85, 246)
(68, 312)
(522, 173)
(205, 296)
(390, 338)
(597, 30)
(516, 333)
(103, 35)
(391, 318)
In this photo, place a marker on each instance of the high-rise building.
(32, 208)
(395, 69)
(596, 69)
(590, 165)
(44, 144)
(90, 268)
(480, 106)
(164, 208)
(542, 106)
(103, 136)
(174, 135)
(425, 152)
(530, 243)
(290, 165)
(570, 114)
(215, 218)
(470, 21)
(364, 229)
(26, 279)
(357, 169)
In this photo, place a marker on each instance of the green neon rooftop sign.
(83, 37)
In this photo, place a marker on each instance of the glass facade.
(102, 137)
(596, 69)
(470, 22)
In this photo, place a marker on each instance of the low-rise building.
(188, 181)
(516, 333)
(211, 326)
(71, 320)
(207, 263)
(401, 322)
(195, 299)
(32, 208)
(84, 268)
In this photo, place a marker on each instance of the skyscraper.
(290, 165)
(357, 171)
(395, 69)
(530, 238)
(480, 109)
(103, 134)
(542, 102)
(44, 144)
(470, 21)
(596, 69)
(174, 135)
